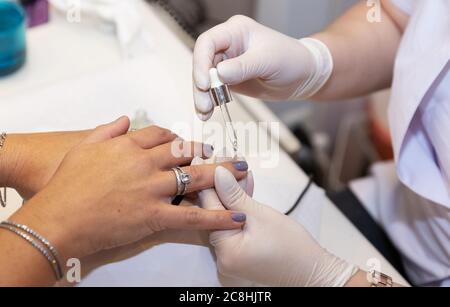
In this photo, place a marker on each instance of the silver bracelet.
(38, 242)
(40, 238)
(2, 139)
(2, 197)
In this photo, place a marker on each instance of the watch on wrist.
(380, 280)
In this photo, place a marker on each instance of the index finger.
(208, 197)
(202, 177)
(172, 217)
(206, 47)
(152, 136)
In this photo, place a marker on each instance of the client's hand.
(115, 188)
(30, 160)
(271, 249)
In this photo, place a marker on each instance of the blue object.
(12, 37)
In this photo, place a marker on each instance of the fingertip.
(220, 172)
(240, 166)
(229, 71)
(223, 177)
(124, 118)
(239, 217)
(204, 117)
(228, 220)
(202, 101)
(124, 122)
(204, 106)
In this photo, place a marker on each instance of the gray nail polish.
(238, 217)
(208, 150)
(241, 166)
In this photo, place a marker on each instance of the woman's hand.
(115, 188)
(33, 158)
(255, 60)
(271, 249)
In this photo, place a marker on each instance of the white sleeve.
(405, 5)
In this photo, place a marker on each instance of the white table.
(60, 52)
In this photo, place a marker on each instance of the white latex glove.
(208, 199)
(259, 62)
(271, 249)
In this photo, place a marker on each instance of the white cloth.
(124, 16)
(416, 211)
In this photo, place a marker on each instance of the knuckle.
(162, 133)
(204, 37)
(196, 174)
(154, 221)
(193, 217)
(240, 18)
(145, 161)
(126, 141)
(122, 143)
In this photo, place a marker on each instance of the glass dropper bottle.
(220, 95)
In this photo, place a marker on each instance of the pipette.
(220, 95)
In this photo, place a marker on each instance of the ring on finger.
(183, 180)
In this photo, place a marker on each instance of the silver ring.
(183, 179)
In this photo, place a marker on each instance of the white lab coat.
(413, 202)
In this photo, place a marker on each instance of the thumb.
(231, 194)
(243, 68)
(109, 131)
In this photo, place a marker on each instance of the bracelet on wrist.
(39, 243)
(2, 195)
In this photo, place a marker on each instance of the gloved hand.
(271, 249)
(259, 62)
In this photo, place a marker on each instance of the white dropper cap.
(215, 79)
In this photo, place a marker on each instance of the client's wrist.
(10, 161)
(39, 216)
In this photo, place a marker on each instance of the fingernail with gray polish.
(241, 166)
(208, 150)
(239, 217)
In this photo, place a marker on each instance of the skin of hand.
(253, 59)
(121, 253)
(32, 159)
(191, 237)
(270, 249)
(114, 189)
